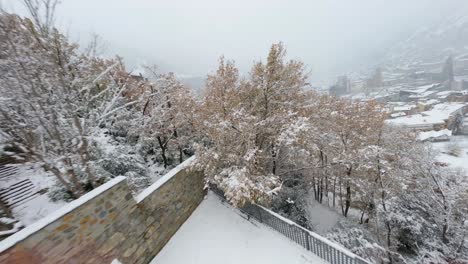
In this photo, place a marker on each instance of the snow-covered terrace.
(420, 89)
(427, 119)
(435, 135)
(216, 233)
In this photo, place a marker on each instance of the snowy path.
(322, 218)
(215, 233)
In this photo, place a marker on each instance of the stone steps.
(18, 193)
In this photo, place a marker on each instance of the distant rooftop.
(435, 116)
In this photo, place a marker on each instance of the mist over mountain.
(433, 43)
(331, 37)
(196, 83)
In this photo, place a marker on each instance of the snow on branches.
(241, 120)
(54, 98)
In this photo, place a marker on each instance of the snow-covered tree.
(242, 119)
(54, 97)
(230, 157)
(167, 117)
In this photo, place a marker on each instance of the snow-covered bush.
(59, 193)
(290, 200)
(137, 181)
(119, 163)
(361, 242)
(114, 156)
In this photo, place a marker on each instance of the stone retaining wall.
(108, 223)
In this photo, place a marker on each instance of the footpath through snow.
(216, 233)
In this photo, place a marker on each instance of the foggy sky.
(187, 36)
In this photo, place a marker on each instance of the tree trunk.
(74, 180)
(444, 231)
(321, 190)
(445, 226)
(341, 196)
(334, 191)
(326, 190)
(315, 190)
(176, 136)
(74, 193)
(389, 236)
(273, 156)
(163, 151)
(181, 155)
(348, 191)
(84, 153)
(348, 199)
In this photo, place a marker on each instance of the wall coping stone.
(161, 181)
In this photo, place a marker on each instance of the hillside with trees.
(264, 138)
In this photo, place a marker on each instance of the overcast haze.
(187, 37)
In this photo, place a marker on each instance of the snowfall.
(217, 233)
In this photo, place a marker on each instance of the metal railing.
(311, 241)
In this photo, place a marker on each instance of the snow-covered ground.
(40, 206)
(321, 217)
(34, 173)
(460, 161)
(36, 209)
(216, 233)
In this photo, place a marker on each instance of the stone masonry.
(112, 225)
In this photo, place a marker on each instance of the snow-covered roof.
(398, 114)
(398, 103)
(429, 102)
(422, 136)
(422, 95)
(403, 108)
(415, 121)
(435, 116)
(431, 63)
(420, 89)
(444, 93)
